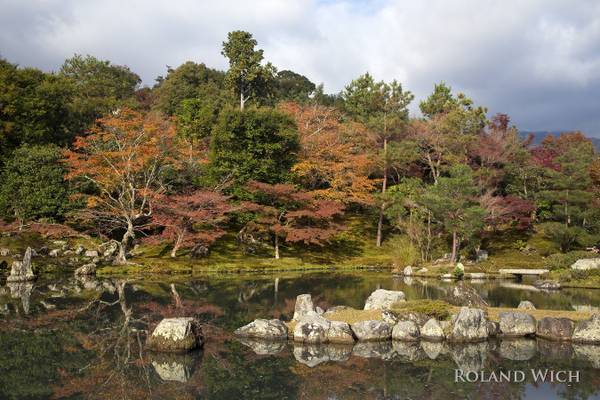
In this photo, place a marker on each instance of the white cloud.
(537, 60)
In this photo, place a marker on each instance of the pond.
(81, 338)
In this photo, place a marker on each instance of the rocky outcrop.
(339, 332)
(526, 305)
(555, 328)
(272, 329)
(405, 331)
(22, 271)
(382, 299)
(432, 331)
(86, 269)
(372, 330)
(304, 306)
(470, 325)
(465, 295)
(176, 335)
(514, 324)
(311, 329)
(586, 264)
(587, 331)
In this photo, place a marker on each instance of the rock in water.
(176, 335)
(432, 330)
(545, 284)
(382, 299)
(406, 331)
(311, 329)
(516, 324)
(339, 332)
(87, 269)
(272, 329)
(22, 271)
(586, 264)
(526, 305)
(408, 271)
(588, 331)
(555, 328)
(304, 306)
(470, 325)
(465, 295)
(372, 330)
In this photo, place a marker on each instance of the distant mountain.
(538, 136)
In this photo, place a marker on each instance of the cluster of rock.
(312, 326)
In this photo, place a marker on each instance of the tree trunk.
(383, 189)
(276, 247)
(124, 245)
(242, 101)
(454, 247)
(176, 246)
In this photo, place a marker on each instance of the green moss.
(432, 308)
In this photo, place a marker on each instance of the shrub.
(564, 260)
(458, 273)
(566, 237)
(402, 251)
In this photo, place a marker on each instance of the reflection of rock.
(264, 347)
(408, 351)
(382, 299)
(518, 349)
(310, 354)
(304, 306)
(339, 352)
(588, 352)
(174, 367)
(176, 335)
(588, 331)
(21, 290)
(469, 357)
(21, 271)
(516, 324)
(88, 282)
(86, 269)
(555, 350)
(311, 329)
(465, 295)
(470, 325)
(555, 328)
(264, 328)
(432, 349)
(383, 350)
(432, 330)
(372, 330)
(408, 280)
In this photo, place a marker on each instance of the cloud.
(538, 61)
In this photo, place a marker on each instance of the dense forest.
(268, 156)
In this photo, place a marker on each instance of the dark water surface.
(81, 339)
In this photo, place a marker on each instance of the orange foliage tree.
(334, 161)
(123, 157)
(291, 215)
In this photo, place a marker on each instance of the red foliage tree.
(190, 219)
(291, 215)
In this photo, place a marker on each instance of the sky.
(536, 60)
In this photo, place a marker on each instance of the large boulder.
(526, 305)
(382, 299)
(339, 332)
(272, 329)
(87, 269)
(555, 328)
(176, 335)
(514, 324)
(304, 306)
(372, 330)
(407, 331)
(588, 331)
(586, 264)
(432, 331)
(22, 271)
(465, 295)
(470, 325)
(312, 329)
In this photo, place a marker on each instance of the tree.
(256, 144)
(246, 77)
(99, 87)
(382, 107)
(293, 86)
(190, 219)
(124, 158)
(32, 184)
(291, 215)
(453, 203)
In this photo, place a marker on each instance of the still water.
(68, 338)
